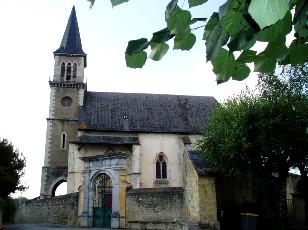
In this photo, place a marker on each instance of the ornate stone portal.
(95, 166)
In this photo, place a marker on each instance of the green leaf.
(233, 22)
(301, 9)
(243, 40)
(301, 29)
(231, 6)
(136, 60)
(179, 20)
(263, 64)
(216, 39)
(279, 29)
(212, 22)
(170, 8)
(247, 56)
(241, 72)
(158, 51)
(184, 41)
(194, 20)
(135, 46)
(298, 52)
(276, 49)
(223, 65)
(162, 36)
(223, 10)
(268, 12)
(193, 3)
(117, 2)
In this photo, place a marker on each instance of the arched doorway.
(102, 203)
(61, 189)
(60, 183)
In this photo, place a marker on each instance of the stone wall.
(207, 199)
(191, 193)
(56, 210)
(154, 208)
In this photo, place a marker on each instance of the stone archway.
(53, 187)
(94, 167)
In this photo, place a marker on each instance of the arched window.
(68, 72)
(161, 167)
(63, 140)
(62, 72)
(74, 71)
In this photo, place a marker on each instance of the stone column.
(84, 218)
(115, 216)
(136, 172)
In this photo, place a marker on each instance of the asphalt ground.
(43, 226)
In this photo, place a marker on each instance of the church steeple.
(71, 42)
(70, 59)
(67, 89)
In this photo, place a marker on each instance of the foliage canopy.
(12, 164)
(265, 132)
(234, 29)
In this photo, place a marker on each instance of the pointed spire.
(71, 42)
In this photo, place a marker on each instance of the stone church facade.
(130, 157)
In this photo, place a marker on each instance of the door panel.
(102, 207)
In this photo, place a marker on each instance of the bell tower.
(66, 96)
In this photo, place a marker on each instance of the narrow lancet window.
(63, 141)
(62, 72)
(74, 71)
(161, 167)
(68, 72)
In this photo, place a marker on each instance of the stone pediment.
(114, 161)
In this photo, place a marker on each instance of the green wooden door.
(102, 217)
(102, 208)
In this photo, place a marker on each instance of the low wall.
(55, 210)
(154, 208)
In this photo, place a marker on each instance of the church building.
(129, 156)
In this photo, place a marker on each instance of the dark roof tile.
(200, 164)
(145, 112)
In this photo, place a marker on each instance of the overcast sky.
(31, 30)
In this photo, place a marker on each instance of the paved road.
(45, 227)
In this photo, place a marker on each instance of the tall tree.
(264, 132)
(236, 27)
(12, 164)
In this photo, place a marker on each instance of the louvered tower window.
(62, 72)
(74, 71)
(68, 72)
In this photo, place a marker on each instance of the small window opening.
(74, 70)
(68, 72)
(62, 72)
(161, 167)
(63, 141)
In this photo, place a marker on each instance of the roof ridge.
(154, 94)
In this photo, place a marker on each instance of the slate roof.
(145, 112)
(200, 164)
(71, 42)
(93, 139)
